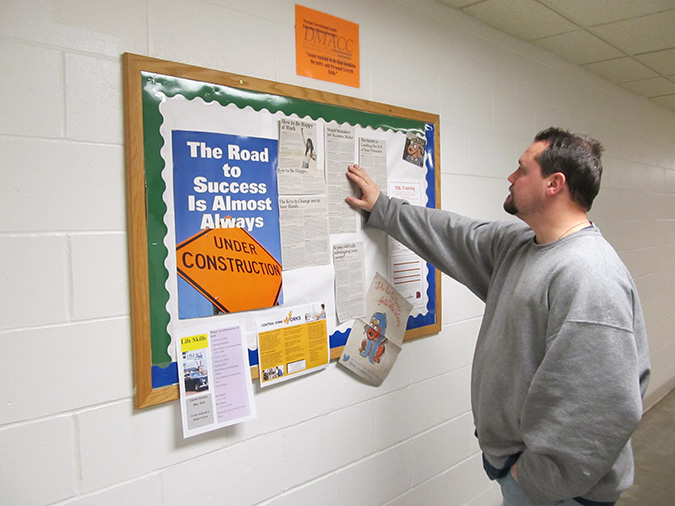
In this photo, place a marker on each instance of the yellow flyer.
(292, 342)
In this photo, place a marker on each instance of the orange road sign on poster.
(230, 268)
(326, 47)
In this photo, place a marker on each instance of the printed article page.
(350, 282)
(373, 158)
(339, 155)
(304, 231)
(299, 172)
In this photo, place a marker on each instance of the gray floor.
(654, 449)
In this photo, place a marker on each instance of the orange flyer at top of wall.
(326, 47)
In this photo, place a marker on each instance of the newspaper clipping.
(299, 172)
(304, 231)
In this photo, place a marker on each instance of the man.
(561, 361)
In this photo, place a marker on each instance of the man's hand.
(369, 189)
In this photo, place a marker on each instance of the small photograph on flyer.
(195, 374)
(415, 147)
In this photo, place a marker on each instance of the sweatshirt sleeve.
(465, 249)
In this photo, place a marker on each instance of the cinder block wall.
(68, 431)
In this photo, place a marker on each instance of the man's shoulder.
(591, 259)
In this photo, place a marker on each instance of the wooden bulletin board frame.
(143, 164)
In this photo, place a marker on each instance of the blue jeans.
(514, 495)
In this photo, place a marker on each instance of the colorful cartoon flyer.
(292, 342)
(215, 387)
(374, 344)
(228, 248)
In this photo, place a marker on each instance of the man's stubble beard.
(510, 205)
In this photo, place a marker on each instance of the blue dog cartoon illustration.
(373, 346)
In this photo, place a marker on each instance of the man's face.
(528, 187)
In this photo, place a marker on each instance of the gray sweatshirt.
(561, 362)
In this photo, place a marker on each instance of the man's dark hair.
(576, 156)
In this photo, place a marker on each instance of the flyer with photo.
(299, 170)
(215, 387)
(375, 342)
(292, 342)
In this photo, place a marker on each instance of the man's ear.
(556, 182)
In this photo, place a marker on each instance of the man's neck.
(553, 230)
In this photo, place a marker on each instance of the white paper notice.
(373, 346)
(410, 192)
(406, 269)
(216, 389)
(350, 282)
(407, 276)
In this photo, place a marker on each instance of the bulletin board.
(218, 116)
